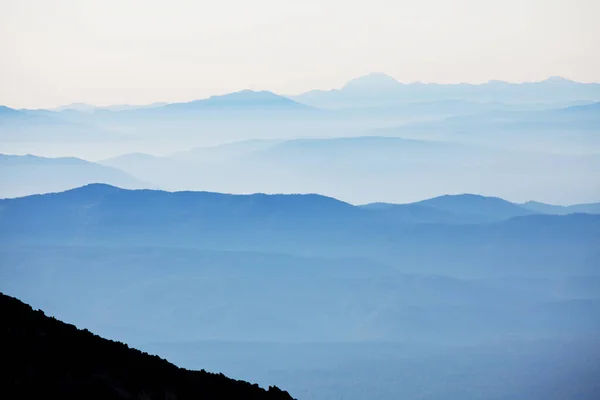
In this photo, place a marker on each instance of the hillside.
(46, 358)
(28, 174)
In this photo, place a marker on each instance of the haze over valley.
(315, 200)
(382, 238)
(413, 144)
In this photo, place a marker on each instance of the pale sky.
(55, 52)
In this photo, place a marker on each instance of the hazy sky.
(102, 52)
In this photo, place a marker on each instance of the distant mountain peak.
(470, 197)
(558, 79)
(241, 99)
(375, 80)
(246, 95)
(96, 187)
(81, 107)
(497, 82)
(493, 208)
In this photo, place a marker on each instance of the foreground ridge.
(45, 358)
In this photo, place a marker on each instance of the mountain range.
(374, 101)
(463, 227)
(380, 90)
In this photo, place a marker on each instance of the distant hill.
(238, 115)
(244, 98)
(16, 118)
(7, 112)
(42, 125)
(45, 358)
(28, 174)
(480, 208)
(378, 90)
(372, 168)
(591, 208)
(587, 109)
(580, 116)
(243, 103)
(82, 107)
(471, 208)
(554, 130)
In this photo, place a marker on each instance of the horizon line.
(289, 95)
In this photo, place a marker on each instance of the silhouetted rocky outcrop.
(43, 357)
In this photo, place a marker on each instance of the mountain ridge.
(443, 203)
(99, 212)
(378, 89)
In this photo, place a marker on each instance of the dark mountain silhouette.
(46, 358)
(377, 90)
(28, 174)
